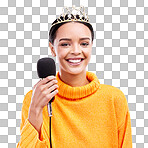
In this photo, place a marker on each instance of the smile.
(75, 62)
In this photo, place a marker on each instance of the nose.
(76, 49)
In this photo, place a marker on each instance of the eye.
(65, 44)
(84, 44)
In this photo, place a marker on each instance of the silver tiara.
(72, 14)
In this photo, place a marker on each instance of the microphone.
(46, 67)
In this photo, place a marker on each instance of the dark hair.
(53, 29)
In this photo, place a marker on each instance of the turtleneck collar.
(74, 93)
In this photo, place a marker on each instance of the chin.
(75, 71)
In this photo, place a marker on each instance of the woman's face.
(72, 46)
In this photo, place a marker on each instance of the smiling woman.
(85, 113)
(72, 43)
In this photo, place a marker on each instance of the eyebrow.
(67, 39)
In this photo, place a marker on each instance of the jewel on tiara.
(72, 14)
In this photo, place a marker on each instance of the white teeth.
(74, 61)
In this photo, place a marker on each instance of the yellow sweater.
(91, 116)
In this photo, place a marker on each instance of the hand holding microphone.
(43, 91)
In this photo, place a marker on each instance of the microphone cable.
(50, 132)
(50, 115)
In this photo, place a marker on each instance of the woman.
(85, 112)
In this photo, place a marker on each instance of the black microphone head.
(46, 67)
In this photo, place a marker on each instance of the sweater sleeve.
(123, 120)
(124, 133)
(29, 135)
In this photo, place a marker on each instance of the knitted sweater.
(91, 116)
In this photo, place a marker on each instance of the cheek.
(87, 52)
(61, 54)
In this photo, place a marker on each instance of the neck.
(74, 80)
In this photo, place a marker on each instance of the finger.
(49, 84)
(47, 95)
(52, 94)
(47, 79)
(52, 88)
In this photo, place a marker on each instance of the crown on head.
(72, 14)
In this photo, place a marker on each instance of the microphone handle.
(50, 107)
